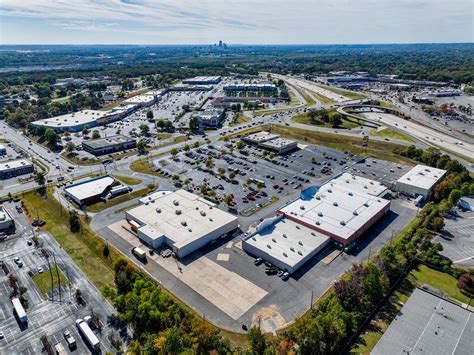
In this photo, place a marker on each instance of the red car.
(275, 186)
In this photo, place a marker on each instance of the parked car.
(258, 261)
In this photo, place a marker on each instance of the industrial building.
(259, 137)
(74, 122)
(279, 145)
(89, 191)
(144, 100)
(180, 220)
(285, 243)
(271, 142)
(202, 80)
(428, 324)
(108, 145)
(6, 221)
(14, 168)
(420, 181)
(359, 184)
(251, 87)
(210, 119)
(341, 213)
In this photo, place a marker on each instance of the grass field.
(84, 248)
(163, 135)
(381, 150)
(241, 119)
(128, 180)
(100, 206)
(303, 118)
(43, 280)
(390, 133)
(323, 99)
(245, 132)
(349, 94)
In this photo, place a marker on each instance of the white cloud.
(252, 21)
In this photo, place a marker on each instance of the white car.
(40, 270)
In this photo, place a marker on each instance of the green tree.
(144, 129)
(95, 134)
(228, 199)
(85, 130)
(70, 147)
(40, 179)
(196, 145)
(141, 146)
(257, 341)
(232, 175)
(335, 120)
(106, 251)
(187, 148)
(51, 137)
(74, 222)
(194, 124)
(174, 152)
(454, 196)
(240, 145)
(149, 115)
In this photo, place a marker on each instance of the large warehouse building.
(285, 243)
(89, 191)
(271, 142)
(181, 220)
(341, 213)
(428, 324)
(12, 168)
(108, 145)
(420, 181)
(202, 80)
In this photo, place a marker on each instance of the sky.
(235, 22)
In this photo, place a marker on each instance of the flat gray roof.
(89, 188)
(422, 176)
(428, 324)
(108, 141)
(14, 164)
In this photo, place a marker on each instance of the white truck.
(139, 253)
(19, 310)
(87, 332)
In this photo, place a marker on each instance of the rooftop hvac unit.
(318, 197)
(408, 178)
(300, 253)
(355, 213)
(301, 207)
(378, 200)
(313, 234)
(320, 214)
(297, 227)
(203, 213)
(190, 230)
(254, 239)
(284, 235)
(342, 223)
(178, 212)
(329, 190)
(158, 210)
(285, 255)
(211, 220)
(350, 194)
(335, 204)
(366, 204)
(365, 187)
(184, 223)
(300, 243)
(347, 181)
(292, 249)
(269, 246)
(196, 208)
(428, 170)
(175, 202)
(274, 240)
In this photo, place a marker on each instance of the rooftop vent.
(292, 249)
(313, 234)
(203, 213)
(190, 230)
(285, 255)
(355, 213)
(269, 246)
(284, 235)
(274, 240)
(320, 214)
(342, 223)
(297, 227)
(366, 204)
(335, 204)
(184, 223)
(300, 243)
(329, 190)
(301, 207)
(350, 194)
(318, 223)
(178, 212)
(254, 239)
(158, 210)
(318, 197)
(300, 253)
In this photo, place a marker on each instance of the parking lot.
(57, 313)
(457, 237)
(259, 178)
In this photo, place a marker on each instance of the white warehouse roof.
(336, 211)
(359, 184)
(422, 176)
(89, 188)
(181, 216)
(139, 99)
(72, 119)
(14, 164)
(260, 137)
(288, 242)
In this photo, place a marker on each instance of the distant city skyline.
(243, 21)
